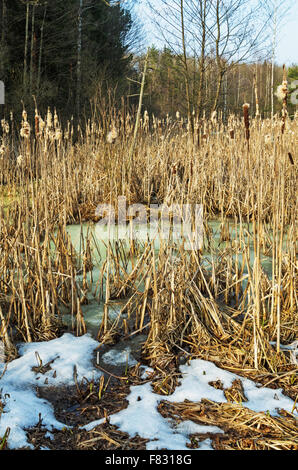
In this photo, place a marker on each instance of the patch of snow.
(189, 427)
(22, 407)
(93, 424)
(205, 445)
(194, 386)
(146, 372)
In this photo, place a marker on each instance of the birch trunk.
(187, 85)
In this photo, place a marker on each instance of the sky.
(287, 40)
(287, 50)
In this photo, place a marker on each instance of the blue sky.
(287, 50)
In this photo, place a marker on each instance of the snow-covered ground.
(22, 406)
(142, 417)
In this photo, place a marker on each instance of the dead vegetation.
(218, 303)
(243, 429)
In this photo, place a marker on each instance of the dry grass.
(243, 429)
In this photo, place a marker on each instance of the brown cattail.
(291, 158)
(246, 121)
(36, 123)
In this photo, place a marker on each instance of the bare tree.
(276, 11)
(240, 36)
(185, 67)
(227, 31)
(41, 48)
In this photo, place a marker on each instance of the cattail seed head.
(25, 130)
(282, 91)
(49, 119)
(58, 134)
(5, 126)
(56, 121)
(112, 135)
(20, 160)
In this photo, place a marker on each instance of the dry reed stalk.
(256, 97)
(285, 100)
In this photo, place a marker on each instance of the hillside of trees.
(166, 86)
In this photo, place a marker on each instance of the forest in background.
(82, 57)
(62, 52)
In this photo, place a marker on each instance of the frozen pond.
(99, 237)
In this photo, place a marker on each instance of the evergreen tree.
(40, 52)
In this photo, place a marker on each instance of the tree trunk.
(203, 57)
(218, 88)
(26, 48)
(40, 50)
(79, 59)
(273, 57)
(187, 86)
(32, 48)
(3, 39)
(220, 69)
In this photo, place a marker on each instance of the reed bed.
(224, 307)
